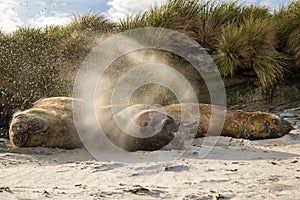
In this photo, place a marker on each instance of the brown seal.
(249, 125)
(49, 123)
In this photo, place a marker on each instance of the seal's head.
(138, 127)
(262, 125)
(158, 131)
(25, 125)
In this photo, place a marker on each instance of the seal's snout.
(171, 126)
(20, 124)
(19, 127)
(18, 133)
(23, 126)
(285, 127)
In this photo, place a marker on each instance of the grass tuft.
(289, 30)
(251, 46)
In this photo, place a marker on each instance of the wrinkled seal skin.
(249, 125)
(144, 117)
(49, 123)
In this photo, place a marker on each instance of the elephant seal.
(248, 125)
(49, 123)
(137, 127)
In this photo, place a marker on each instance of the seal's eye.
(275, 121)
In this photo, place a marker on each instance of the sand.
(234, 169)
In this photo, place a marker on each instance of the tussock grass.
(92, 23)
(212, 19)
(168, 15)
(289, 30)
(198, 19)
(251, 46)
(242, 39)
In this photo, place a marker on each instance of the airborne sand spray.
(150, 93)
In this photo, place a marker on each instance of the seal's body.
(249, 125)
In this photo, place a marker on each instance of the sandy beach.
(233, 169)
